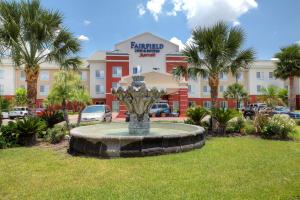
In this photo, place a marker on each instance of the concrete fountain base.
(112, 140)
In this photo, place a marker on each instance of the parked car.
(5, 115)
(281, 110)
(40, 111)
(295, 115)
(18, 112)
(96, 113)
(160, 108)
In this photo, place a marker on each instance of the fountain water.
(138, 101)
(137, 139)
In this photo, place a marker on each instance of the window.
(259, 75)
(258, 88)
(134, 70)
(116, 72)
(205, 77)
(1, 89)
(222, 88)
(115, 85)
(99, 74)
(44, 75)
(1, 74)
(44, 89)
(286, 87)
(224, 104)
(190, 89)
(239, 76)
(240, 104)
(271, 75)
(206, 89)
(222, 76)
(83, 75)
(22, 75)
(115, 106)
(99, 89)
(175, 106)
(207, 104)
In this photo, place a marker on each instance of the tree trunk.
(79, 116)
(292, 96)
(213, 82)
(237, 104)
(32, 74)
(66, 117)
(1, 118)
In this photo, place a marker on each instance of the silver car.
(96, 113)
(18, 112)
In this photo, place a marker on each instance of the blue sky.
(268, 24)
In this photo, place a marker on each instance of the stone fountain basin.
(110, 140)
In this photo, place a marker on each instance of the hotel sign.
(146, 49)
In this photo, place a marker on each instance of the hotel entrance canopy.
(159, 80)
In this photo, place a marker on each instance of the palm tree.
(271, 96)
(32, 35)
(287, 67)
(214, 50)
(236, 91)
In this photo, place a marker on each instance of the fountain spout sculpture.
(138, 101)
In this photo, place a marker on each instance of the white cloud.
(206, 13)
(175, 40)
(155, 7)
(141, 9)
(236, 23)
(83, 38)
(87, 22)
(202, 12)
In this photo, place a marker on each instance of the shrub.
(196, 114)
(56, 134)
(223, 116)
(8, 135)
(52, 117)
(236, 125)
(297, 122)
(278, 127)
(260, 121)
(28, 128)
(249, 129)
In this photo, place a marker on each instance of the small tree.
(223, 116)
(21, 97)
(270, 96)
(82, 98)
(64, 90)
(236, 91)
(4, 105)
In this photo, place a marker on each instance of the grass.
(225, 168)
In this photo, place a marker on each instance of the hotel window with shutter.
(117, 72)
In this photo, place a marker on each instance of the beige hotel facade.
(156, 57)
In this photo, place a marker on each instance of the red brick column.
(183, 101)
(122, 111)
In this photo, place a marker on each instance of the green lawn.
(225, 168)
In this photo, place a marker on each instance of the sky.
(100, 24)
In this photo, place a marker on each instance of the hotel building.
(154, 58)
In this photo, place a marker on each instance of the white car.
(18, 112)
(96, 113)
(5, 115)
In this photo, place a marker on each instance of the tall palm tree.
(287, 67)
(214, 50)
(271, 96)
(32, 35)
(236, 91)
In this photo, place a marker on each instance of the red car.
(39, 111)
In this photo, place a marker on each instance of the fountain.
(138, 101)
(140, 137)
